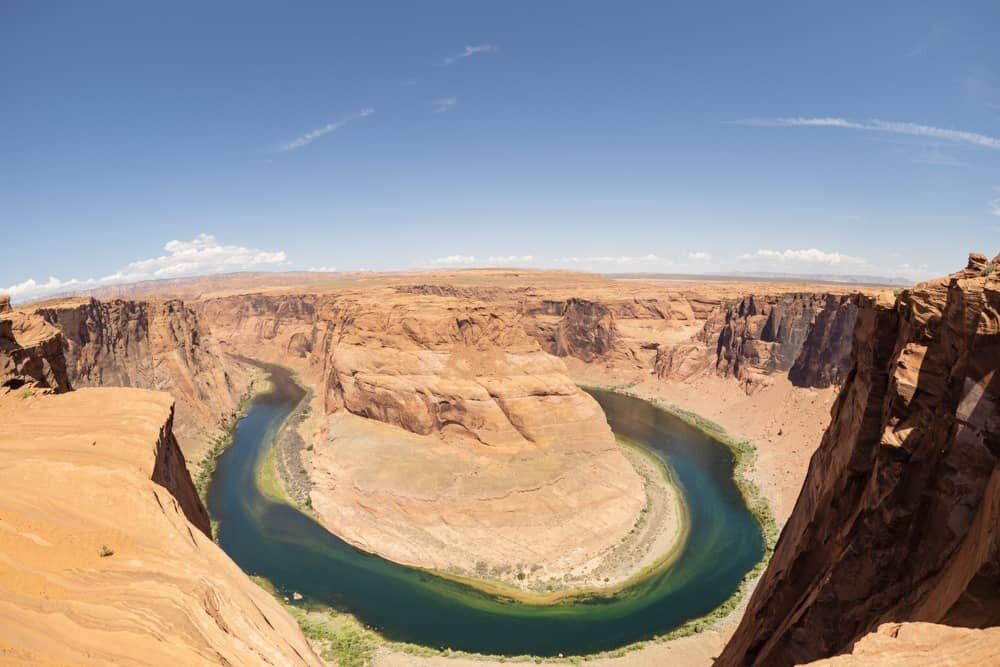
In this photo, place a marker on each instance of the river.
(293, 551)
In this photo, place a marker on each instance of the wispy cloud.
(443, 104)
(613, 259)
(699, 257)
(804, 256)
(313, 135)
(995, 204)
(876, 125)
(323, 269)
(202, 254)
(469, 51)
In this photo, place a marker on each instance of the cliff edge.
(899, 516)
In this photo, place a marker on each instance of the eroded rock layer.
(899, 517)
(454, 441)
(31, 353)
(761, 335)
(154, 344)
(107, 557)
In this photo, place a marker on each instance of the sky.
(143, 141)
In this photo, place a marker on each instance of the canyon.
(445, 429)
(107, 550)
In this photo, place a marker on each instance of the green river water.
(289, 548)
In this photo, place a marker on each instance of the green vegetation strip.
(224, 438)
(343, 640)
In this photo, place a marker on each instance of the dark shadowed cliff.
(899, 516)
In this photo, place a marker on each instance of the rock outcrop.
(586, 330)
(107, 558)
(899, 516)
(31, 353)
(453, 440)
(154, 344)
(825, 357)
(758, 336)
(920, 645)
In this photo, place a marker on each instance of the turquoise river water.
(296, 553)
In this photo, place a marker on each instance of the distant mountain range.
(781, 277)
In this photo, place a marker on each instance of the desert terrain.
(446, 429)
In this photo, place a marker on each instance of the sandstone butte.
(468, 380)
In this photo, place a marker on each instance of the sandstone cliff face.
(825, 356)
(899, 517)
(152, 345)
(97, 470)
(452, 439)
(758, 336)
(30, 353)
(586, 330)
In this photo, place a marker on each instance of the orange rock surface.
(105, 552)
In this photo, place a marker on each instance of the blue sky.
(802, 137)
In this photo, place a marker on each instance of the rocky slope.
(899, 514)
(453, 440)
(153, 344)
(461, 356)
(106, 547)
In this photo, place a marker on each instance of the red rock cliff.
(899, 516)
(154, 344)
(31, 352)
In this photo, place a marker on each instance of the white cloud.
(612, 259)
(806, 255)
(453, 260)
(444, 104)
(313, 135)
(470, 51)
(876, 125)
(202, 254)
(510, 259)
(699, 256)
(323, 269)
(30, 288)
(995, 205)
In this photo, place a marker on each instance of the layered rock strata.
(31, 355)
(158, 345)
(106, 547)
(759, 336)
(899, 514)
(454, 441)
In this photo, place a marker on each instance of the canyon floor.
(446, 426)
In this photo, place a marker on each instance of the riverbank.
(785, 423)
(630, 416)
(283, 474)
(258, 383)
